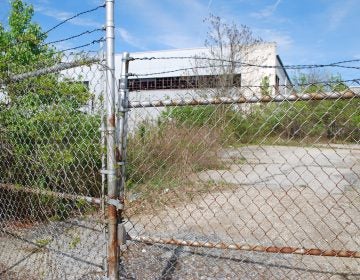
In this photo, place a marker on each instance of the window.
(151, 84)
(180, 82)
(237, 80)
(277, 83)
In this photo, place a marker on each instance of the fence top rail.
(52, 69)
(348, 94)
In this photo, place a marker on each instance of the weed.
(43, 242)
(74, 242)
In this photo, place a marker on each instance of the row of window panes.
(188, 82)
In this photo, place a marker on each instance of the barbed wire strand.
(327, 82)
(74, 16)
(218, 66)
(295, 67)
(82, 46)
(74, 36)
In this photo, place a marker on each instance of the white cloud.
(267, 12)
(283, 40)
(129, 39)
(338, 13)
(179, 40)
(63, 15)
(175, 24)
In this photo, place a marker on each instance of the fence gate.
(51, 191)
(227, 182)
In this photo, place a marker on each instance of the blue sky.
(306, 31)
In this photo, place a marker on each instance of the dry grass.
(161, 161)
(171, 151)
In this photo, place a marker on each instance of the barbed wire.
(74, 16)
(74, 36)
(292, 67)
(324, 82)
(172, 71)
(82, 46)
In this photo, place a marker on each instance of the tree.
(22, 44)
(317, 81)
(333, 119)
(228, 46)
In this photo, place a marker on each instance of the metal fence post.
(121, 138)
(112, 252)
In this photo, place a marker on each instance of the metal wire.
(72, 17)
(82, 46)
(293, 67)
(74, 36)
(228, 182)
(49, 123)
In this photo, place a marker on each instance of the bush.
(336, 120)
(48, 143)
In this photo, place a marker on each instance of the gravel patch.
(282, 196)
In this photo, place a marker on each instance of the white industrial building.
(185, 73)
(171, 76)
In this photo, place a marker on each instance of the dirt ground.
(282, 196)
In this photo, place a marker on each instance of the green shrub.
(336, 120)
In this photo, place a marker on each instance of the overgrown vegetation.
(165, 154)
(323, 120)
(170, 151)
(46, 141)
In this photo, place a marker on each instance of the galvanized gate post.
(112, 250)
(121, 140)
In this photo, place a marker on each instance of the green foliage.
(265, 86)
(21, 45)
(306, 85)
(326, 120)
(316, 82)
(74, 241)
(190, 115)
(43, 242)
(46, 140)
(337, 85)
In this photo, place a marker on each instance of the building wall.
(251, 77)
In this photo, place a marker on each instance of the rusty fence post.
(111, 163)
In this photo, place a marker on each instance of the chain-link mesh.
(51, 188)
(242, 182)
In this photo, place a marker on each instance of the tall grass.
(171, 150)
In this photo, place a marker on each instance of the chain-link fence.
(198, 168)
(51, 188)
(241, 182)
(58, 156)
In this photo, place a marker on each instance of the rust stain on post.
(112, 256)
(111, 120)
(247, 247)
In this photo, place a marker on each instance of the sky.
(306, 31)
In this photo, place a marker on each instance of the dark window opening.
(277, 83)
(182, 82)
